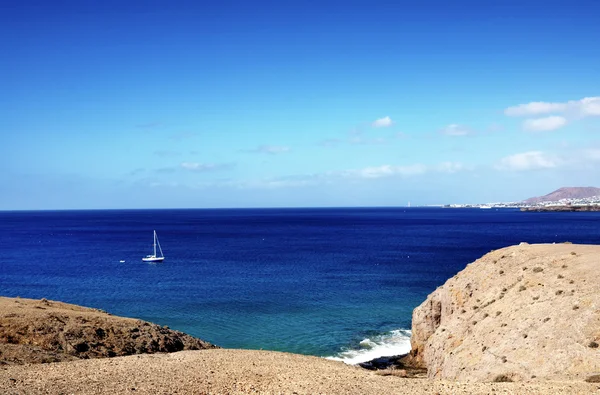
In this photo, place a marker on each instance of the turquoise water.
(326, 282)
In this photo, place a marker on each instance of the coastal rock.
(38, 331)
(394, 365)
(521, 313)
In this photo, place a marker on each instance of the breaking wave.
(396, 342)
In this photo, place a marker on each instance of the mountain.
(565, 193)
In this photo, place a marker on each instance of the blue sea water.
(328, 282)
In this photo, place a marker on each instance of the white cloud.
(292, 181)
(450, 167)
(203, 167)
(271, 149)
(382, 122)
(366, 141)
(544, 124)
(570, 110)
(330, 177)
(456, 130)
(592, 154)
(402, 171)
(531, 160)
(389, 170)
(588, 106)
(535, 108)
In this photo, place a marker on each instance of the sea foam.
(396, 342)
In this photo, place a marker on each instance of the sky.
(189, 104)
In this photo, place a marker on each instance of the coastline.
(565, 208)
(538, 268)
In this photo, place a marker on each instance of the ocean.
(332, 282)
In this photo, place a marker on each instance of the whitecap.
(396, 342)
(367, 343)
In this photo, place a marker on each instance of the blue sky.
(113, 104)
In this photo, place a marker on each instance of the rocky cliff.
(522, 313)
(34, 331)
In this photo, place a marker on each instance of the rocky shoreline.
(42, 331)
(567, 208)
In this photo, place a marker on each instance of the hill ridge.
(565, 193)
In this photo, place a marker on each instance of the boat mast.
(154, 244)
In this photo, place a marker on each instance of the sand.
(222, 371)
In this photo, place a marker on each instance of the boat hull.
(153, 259)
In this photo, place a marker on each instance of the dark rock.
(396, 362)
(81, 347)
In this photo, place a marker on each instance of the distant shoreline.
(562, 208)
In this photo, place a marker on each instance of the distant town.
(572, 202)
(563, 199)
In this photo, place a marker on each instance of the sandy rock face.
(527, 312)
(34, 331)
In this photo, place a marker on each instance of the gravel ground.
(221, 371)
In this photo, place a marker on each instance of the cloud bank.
(531, 160)
(588, 106)
(569, 111)
(403, 171)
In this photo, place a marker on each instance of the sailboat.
(154, 257)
